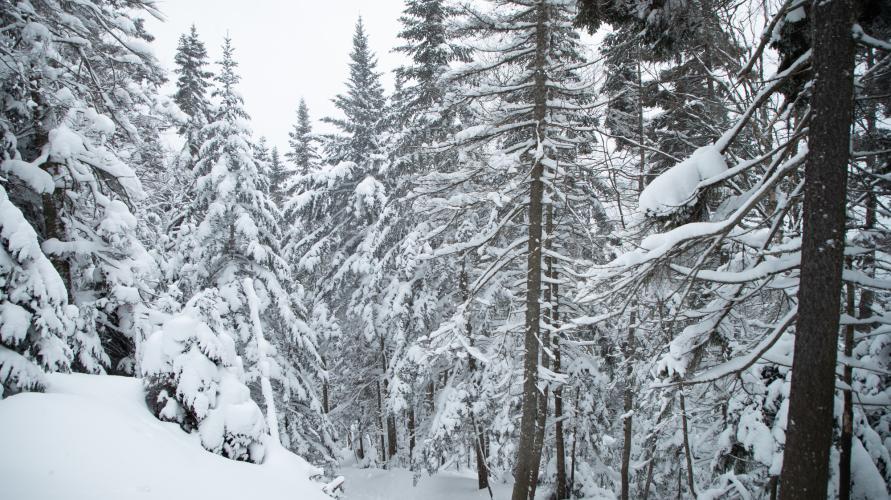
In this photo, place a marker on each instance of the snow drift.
(93, 438)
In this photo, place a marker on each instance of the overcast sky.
(285, 49)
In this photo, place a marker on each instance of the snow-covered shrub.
(193, 376)
(35, 318)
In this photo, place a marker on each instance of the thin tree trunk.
(575, 433)
(361, 453)
(390, 429)
(526, 458)
(805, 472)
(411, 437)
(627, 407)
(380, 424)
(847, 430)
(482, 469)
(562, 492)
(690, 484)
(628, 400)
(325, 402)
(867, 296)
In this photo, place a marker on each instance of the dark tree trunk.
(411, 437)
(627, 407)
(562, 492)
(380, 424)
(479, 436)
(575, 434)
(687, 453)
(391, 436)
(361, 452)
(847, 430)
(805, 472)
(526, 458)
(325, 403)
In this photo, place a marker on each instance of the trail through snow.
(396, 484)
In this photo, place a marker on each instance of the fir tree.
(303, 153)
(360, 139)
(234, 235)
(66, 159)
(35, 318)
(192, 87)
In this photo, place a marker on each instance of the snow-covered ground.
(379, 484)
(93, 438)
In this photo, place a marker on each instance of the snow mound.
(676, 187)
(92, 437)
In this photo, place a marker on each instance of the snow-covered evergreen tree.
(233, 234)
(192, 87)
(304, 153)
(195, 377)
(77, 78)
(360, 139)
(35, 318)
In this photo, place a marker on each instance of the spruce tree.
(35, 318)
(304, 153)
(234, 234)
(68, 141)
(360, 138)
(192, 87)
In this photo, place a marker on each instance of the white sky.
(286, 49)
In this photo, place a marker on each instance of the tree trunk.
(361, 452)
(627, 407)
(479, 436)
(380, 424)
(411, 437)
(628, 403)
(805, 472)
(687, 453)
(526, 458)
(391, 436)
(54, 227)
(575, 434)
(562, 492)
(390, 430)
(847, 430)
(548, 320)
(325, 402)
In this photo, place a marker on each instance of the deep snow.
(93, 438)
(379, 484)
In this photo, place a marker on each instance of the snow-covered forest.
(567, 249)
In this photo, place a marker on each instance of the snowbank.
(92, 437)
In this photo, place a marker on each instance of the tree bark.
(411, 437)
(325, 402)
(526, 448)
(805, 472)
(560, 446)
(687, 453)
(627, 407)
(847, 430)
(380, 424)
(361, 452)
(479, 436)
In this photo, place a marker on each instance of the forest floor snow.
(93, 438)
(397, 484)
